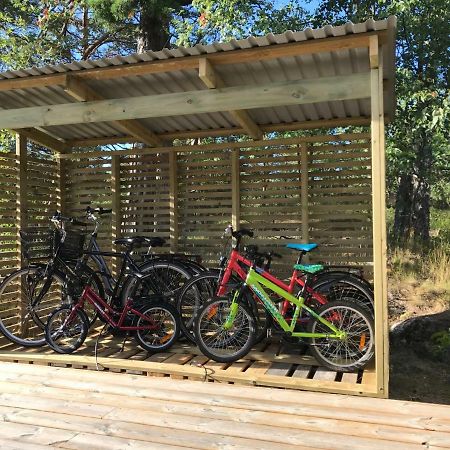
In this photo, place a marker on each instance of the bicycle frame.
(234, 267)
(106, 311)
(255, 282)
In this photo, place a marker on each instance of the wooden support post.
(22, 190)
(379, 225)
(304, 195)
(21, 215)
(173, 202)
(235, 188)
(61, 183)
(116, 218)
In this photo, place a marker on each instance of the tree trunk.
(153, 30)
(412, 206)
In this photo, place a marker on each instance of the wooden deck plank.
(37, 399)
(149, 386)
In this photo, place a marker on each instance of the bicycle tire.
(202, 288)
(217, 309)
(164, 279)
(352, 353)
(28, 330)
(344, 287)
(77, 328)
(163, 338)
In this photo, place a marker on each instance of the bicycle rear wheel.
(356, 349)
(218, 343)
(66, 331)
(165, 279)
(164, 326)
(27, 297)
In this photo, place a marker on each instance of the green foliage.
(440, 343)
(209, 21)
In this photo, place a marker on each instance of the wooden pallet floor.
(268, 364)
(81, 409)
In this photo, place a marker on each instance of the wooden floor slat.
(74, 408)
(269, 363)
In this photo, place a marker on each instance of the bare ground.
(419, 362)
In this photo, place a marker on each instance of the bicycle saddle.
(302, 247)
(140, 240)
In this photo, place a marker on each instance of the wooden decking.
(81, 409)
(268, 364)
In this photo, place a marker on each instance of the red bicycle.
(154, 322)
(329, 283)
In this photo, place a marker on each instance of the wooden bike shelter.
(201, 139)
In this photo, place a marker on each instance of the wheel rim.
(355, 348)
(163, 327)
(215, 338)
(23, 322)
(66, 335)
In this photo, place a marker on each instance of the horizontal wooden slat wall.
(204, 201)
(270, 186)
(42, 188)
(144, 196)
(340, 200)
(87, 182)
(313, 189)
(8, 202)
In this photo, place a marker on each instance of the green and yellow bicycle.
(340, 333)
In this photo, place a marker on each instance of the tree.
(150, 19)
(417, 141)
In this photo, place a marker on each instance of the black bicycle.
(31, 293)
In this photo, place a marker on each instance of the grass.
(419, 279)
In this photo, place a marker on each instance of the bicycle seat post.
(300, 256)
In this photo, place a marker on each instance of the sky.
(308, 5)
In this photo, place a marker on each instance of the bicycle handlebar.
(57, 216)
(99, 210)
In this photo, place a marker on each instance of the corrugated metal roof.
(342, 62)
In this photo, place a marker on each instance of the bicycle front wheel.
(356, 349)
(66, 330)
(217, 342)
(27, 297)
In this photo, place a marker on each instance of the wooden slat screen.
(87, 182)
(204, 201)
(144, 195)
(332, 174)
(8, 202)
(340, 201)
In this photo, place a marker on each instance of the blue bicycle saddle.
(302, 247)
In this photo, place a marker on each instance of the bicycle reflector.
(362, 341)
(212, 312)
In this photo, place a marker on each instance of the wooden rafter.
(213, 80)
(348, 87)
(329, 44)
(41, 138)
(79, 90)
(195, 134)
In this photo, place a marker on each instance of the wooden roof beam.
(79, 90)
(217, 132)
(44, 139)
(328, 44)
(213, 80)
(348, 87)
